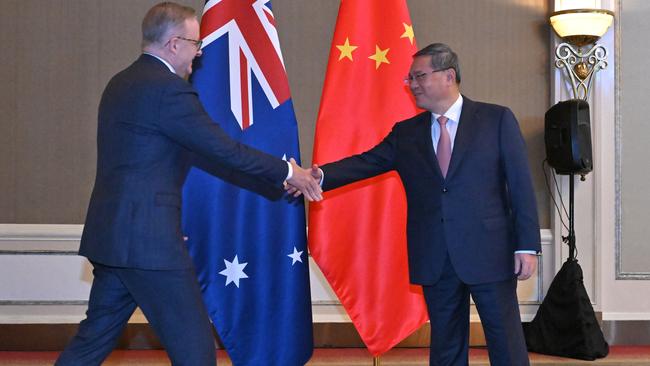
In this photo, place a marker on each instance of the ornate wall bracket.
(580, 67)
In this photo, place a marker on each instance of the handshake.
(305, 181)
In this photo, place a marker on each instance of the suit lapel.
(464, 135)
(425, 143)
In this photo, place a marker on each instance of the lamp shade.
(581, 26)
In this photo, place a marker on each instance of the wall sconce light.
(579, 28)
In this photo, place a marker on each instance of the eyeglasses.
(196, 43)
(419, 77)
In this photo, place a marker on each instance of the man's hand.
(303, 182)
(525, 265)
(315, 172)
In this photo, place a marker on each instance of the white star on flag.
(295, 256)
(234, 271)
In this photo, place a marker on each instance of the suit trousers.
(170, 300)
(448, 304)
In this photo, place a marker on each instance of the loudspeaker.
(567, 135)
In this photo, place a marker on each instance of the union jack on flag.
(253, 50)
(249, 244)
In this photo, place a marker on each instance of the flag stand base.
(376, 361)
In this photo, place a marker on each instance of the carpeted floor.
(619, 356)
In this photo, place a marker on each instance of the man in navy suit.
(150, 123)
(472, 222)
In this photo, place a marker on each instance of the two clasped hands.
(305, 181)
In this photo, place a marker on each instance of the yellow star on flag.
(346, 50)
(379, 56)
(408, 32)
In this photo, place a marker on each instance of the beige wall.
(59, 54)
(632, 146)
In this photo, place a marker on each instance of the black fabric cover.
(565, 324)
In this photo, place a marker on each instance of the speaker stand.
(571, 238)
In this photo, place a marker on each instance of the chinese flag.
(357, 234)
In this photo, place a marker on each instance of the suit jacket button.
(442, 220)
(445, 190)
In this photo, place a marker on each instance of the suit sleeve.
(183, 119)
(380, 159)
(519, 183)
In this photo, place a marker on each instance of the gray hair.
(161, 18)
(442, 58)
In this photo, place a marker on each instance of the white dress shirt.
(453, 117)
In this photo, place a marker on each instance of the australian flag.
(249, 244)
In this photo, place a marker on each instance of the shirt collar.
(169, 66)
(453, 113)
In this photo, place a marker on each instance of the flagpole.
(376, 361)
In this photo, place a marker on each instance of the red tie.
(444, 146)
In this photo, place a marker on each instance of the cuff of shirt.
(290, 172)
(526, 252)
(322, 177)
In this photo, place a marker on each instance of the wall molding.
(620, 316)
(56, 245)
(54, 337)
(621, 274)
(40, 232)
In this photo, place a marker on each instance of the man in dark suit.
(150, 121)
(472, 220)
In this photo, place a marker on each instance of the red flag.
(357, 234)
